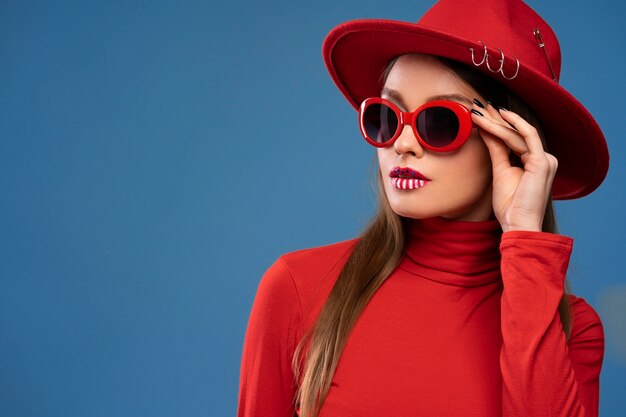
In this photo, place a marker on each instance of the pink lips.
(407, 178)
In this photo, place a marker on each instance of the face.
(460, 181)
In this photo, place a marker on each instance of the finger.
(553, 164)
(498, 151)
(491, 112)
(510, 136)
(528, 131)
(495, 114)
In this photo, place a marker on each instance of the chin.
(413, 213)
(468, 211)
(455, 203)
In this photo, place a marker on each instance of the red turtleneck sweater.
(467, 325)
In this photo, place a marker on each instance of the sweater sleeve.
(542, 373)
(266, 383)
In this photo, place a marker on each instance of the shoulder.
(310, 273)
(299, 269)
(586, 342)
(586, 323)
(318, 258)
(299, 264)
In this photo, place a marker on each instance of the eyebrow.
(399, 100)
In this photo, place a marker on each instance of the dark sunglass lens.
(438, 126)
(380, 122)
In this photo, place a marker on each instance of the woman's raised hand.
(520, 195)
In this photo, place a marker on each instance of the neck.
(464, 253)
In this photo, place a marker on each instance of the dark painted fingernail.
(476, 112)
(489, 102)
(479, 104)
(502, 108)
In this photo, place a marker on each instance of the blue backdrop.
(157, 156)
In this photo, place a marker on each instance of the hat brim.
(356, 52)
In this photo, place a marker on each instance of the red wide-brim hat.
(499, 38)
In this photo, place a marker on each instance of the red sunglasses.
(440, 126)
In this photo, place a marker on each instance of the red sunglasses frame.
(463, 114)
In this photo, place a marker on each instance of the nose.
(408, 143)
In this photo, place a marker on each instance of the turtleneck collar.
(453, 252)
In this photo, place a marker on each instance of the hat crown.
(501, 24)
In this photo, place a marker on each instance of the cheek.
(473, 165)
(483, 160)
(383, 159)
(386, 161)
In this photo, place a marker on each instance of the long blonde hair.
(376, 255)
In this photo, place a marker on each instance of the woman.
(453, 301)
